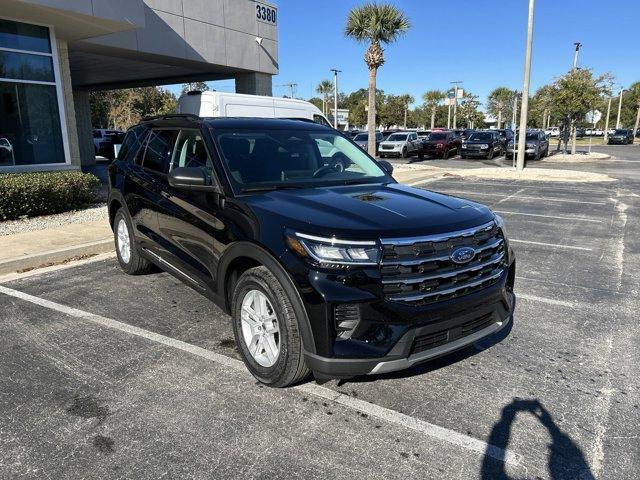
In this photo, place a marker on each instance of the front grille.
(387, 147)
(432, 340)
(420, 270)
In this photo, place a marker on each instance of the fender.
(261, 255)
(115, 195)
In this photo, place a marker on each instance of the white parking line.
(373, 410)
(523, 197)
(549, 301)
(554, 245)
(579, 219)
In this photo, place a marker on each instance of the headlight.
(500, 223)
(464, 145)
(531, 145)
(333, 251)
(484, 146)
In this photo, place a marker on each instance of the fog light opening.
(346, 318)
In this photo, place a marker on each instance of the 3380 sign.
(265, 13)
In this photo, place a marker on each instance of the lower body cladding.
(367, 334)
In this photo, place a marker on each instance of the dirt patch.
(87, 407)
(103, 444)
(582, 157)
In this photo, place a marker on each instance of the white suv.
(400, 144)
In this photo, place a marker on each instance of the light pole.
(575, 55)
(335, 97)
(606, 122)
(455, 100)
(619, 108)
(449, 112)
(513, 124)
(525, 90)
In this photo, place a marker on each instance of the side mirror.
(386, 166)
(191, 178)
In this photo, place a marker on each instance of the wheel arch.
(242, 256)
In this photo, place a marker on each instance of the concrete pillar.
(254, 83)
(84, 128)
(69, 110)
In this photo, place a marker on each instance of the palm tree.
(432, 99)
(324, 88)
(407, 100)
(499, 102)
(375, 24)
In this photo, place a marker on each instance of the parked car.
(422, 134)
(104, 141)
(536, 145)
(485, 144)
(362, 140)
(553, 131)
(400, 144)
(339, 273)
(441, 143)
(580, 133)
(621, 136)
(505, 136)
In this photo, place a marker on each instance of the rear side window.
(132, 143)
(321, 120)
(157, 156)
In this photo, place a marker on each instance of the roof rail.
(190, 116)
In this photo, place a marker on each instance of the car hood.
(387, 142)
(368, 211)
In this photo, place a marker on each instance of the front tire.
(405, 153)
(266, 329)
(129, 258)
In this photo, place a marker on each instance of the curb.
(43, 259)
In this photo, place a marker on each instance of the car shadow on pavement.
(566, 460)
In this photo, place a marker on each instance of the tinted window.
(131, 144)
(159, 148)
(191, 152)
(397, 137)
(620, 132)
(481, 136)
(437, 136)
(24, 66)
(361, 137)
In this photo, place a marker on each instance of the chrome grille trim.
(441, 237)
(421, 296)
(453, 273)
(420, 270)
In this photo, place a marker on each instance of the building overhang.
(78, 19)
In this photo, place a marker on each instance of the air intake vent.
(346, 319)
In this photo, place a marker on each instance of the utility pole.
(335, 96)
(291, 87)
(449, 112)
(606, 122)
(513, 124)
(525, 90)
(619, 108)
(575, 55)
(455, 99)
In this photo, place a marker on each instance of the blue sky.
(478, 41)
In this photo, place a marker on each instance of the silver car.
(536, 145)
(362, 140)
(400, 144)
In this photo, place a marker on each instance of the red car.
(440, 143)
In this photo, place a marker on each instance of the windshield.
(620, 132)
(530, 136)
(397, 137)
(361, 137)
(272, 159)
(437, 136)
(481, 136)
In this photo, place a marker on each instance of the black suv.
(336, 271)
(483, 144)
(621, 136)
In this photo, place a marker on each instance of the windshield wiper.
(270, 188)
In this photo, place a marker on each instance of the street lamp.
(525, 90)
(575, 55)
(455, 101)
(619, 108)
(335, 96)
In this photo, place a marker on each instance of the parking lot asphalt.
(141, 380)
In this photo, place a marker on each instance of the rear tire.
(287, 367)
(129, 258)
(490, 154)
(405, 154)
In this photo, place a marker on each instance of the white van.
(221, 104)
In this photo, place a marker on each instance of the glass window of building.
(30, 129)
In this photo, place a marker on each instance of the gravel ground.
(97, 212)
(582, 157)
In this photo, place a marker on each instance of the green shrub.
(43, 193)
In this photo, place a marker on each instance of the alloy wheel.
(124, 241)
(260, 328)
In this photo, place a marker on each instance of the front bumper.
(389, 332)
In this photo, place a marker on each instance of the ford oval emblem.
(462, 255)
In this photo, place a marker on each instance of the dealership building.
(53, 53)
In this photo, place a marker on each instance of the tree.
(194, 86)
(500, 103)
(318, 102)
(324, 88)
(468, 110)
(375, 24)
(407, 100)
(634, 91)
(432, 99)
(392, 110)
(575, 94)
(541, 107)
